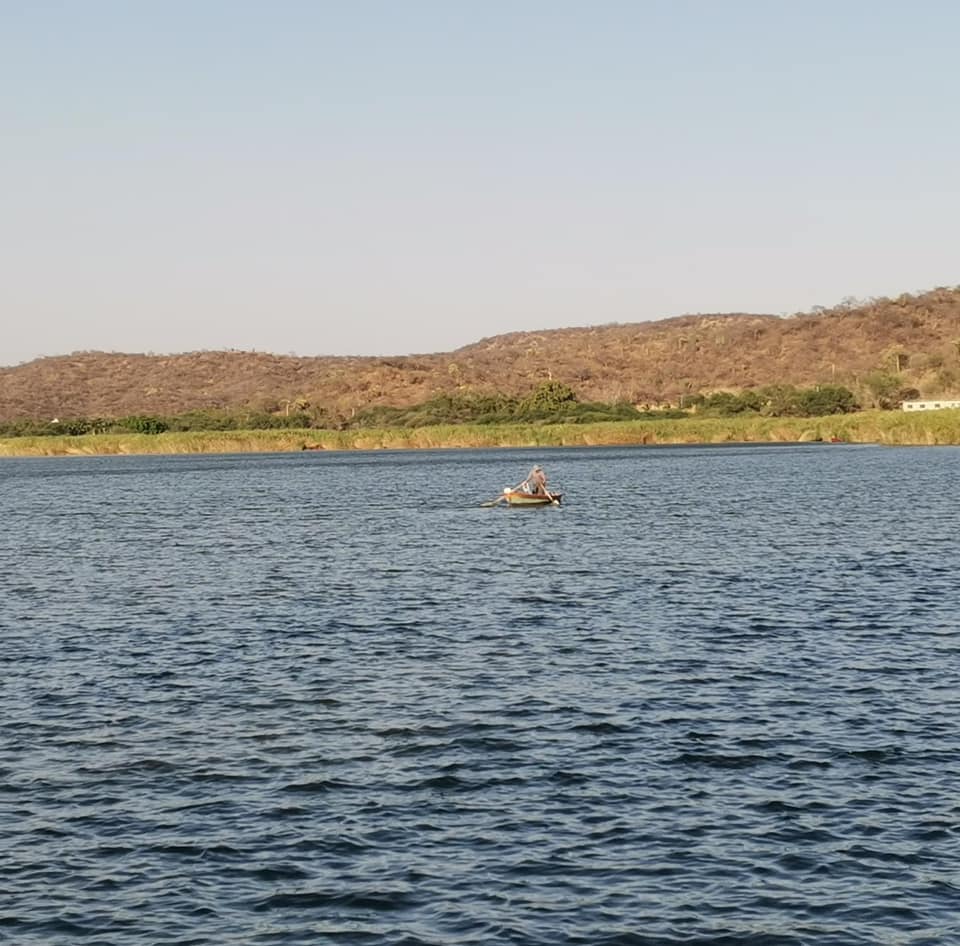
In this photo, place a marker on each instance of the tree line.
(550, 402)
(778, 400)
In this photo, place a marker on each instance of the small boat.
(517, 497)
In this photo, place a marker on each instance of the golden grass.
(883, 427)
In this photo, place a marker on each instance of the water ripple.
(710, 700)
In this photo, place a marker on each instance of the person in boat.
(536, 482)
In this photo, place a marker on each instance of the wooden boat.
(517, 497)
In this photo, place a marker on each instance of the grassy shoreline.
(881, 427)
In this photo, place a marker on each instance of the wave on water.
(724, 715)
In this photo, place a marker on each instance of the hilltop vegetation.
(880, 350)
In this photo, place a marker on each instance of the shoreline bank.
(938, 428)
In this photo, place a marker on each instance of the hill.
(912, 341)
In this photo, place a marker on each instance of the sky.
(388, 177)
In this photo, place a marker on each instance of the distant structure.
(929, 405)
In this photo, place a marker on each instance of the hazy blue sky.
(373, 177)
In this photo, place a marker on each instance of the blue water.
(713, 698)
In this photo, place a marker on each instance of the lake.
(713, 698)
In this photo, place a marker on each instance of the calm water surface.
(326, 698)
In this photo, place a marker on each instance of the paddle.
(493, 502)
(501, 498)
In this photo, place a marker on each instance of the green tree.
(883, 388)
(827, 399)
(143, 424)
(548, 398)
(780, 400)
(723, 404)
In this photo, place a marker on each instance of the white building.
(929, 405)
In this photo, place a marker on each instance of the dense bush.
(551, 402)
(826, 399)
(781, 400)
(141, 424)
(548, 398)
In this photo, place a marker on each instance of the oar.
(501, 498)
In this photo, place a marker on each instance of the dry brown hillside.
(914, 337)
